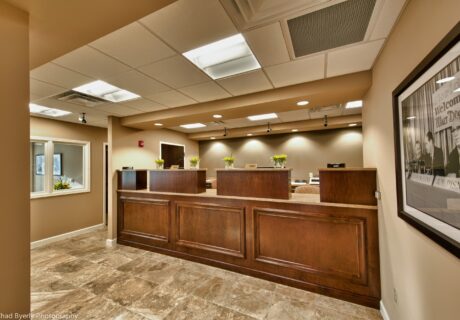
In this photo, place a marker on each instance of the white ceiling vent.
(80, 99)
(331, 27)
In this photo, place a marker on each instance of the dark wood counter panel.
(180, 181)
(132, 179)
(260, 183)
(326, 248)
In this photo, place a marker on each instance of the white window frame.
(49, 178)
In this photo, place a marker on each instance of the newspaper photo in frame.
(426, 114)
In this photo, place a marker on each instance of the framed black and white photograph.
(57, 164)
(427, 144)
(40, 164)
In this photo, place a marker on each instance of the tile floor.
(81, 277)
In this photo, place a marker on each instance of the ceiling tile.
(145, 105)
(246, 83)
(205, 92)
(176, 72)
(137, 82)
(386, 19)
(188, 24)
(268, 44)
(353, 59)
(134, 45)
(92, 63)
(298, 71)
(40, 89)
(60, 76)
(117, 109)
(172, 99)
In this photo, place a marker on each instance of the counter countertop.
(347, 169)
(254, 169)
(297, 198)
(177, 170)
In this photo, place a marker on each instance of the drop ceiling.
(145, 57)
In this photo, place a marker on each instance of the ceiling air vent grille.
(331, 27)
(80, 99)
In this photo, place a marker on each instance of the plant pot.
(229, 165)
(160, 166)
(193, 166)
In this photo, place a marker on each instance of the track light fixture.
(225, 131)
(325, 120)
(269, 128)
(82, 118)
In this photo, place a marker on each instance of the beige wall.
(52, 216)
(14, 189)
(124, 151)
(307, 151)
(426, 277)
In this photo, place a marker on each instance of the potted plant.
(229, 161)
(62, 184)
(194, 162)
(279, 160)
(160, 163)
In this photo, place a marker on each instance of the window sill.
(58, 193)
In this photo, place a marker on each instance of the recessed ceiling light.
(37, 109)
(443, 80)
(410, 118)
(457, 90)
(263, 116)
(106, 91)
(193, 125)
(295, 130)
(158, 124)
(303, 103)
(249, 134)
(224, 58)
(217, 116)
(213, 138)
(354, 104)
(352, 124)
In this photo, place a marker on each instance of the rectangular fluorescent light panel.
(263, 116)
(106, 91)
(193, 125)
(45, 111)
(224, 58)
(354, 104)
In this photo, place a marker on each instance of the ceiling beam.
(276, 128)
(326, 92)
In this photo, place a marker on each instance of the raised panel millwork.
(214, 228)
(146, 218)
(318, 244)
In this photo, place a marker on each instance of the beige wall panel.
(52, 216)
(14, 189)
(307, 151)
(426, 277)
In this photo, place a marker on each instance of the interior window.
(68, 166)
(38, 166)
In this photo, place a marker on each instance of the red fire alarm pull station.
(140, 143)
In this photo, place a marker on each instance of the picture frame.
(40, 164)
(57, 164)
(426, 119)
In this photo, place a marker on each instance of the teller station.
(252, 223)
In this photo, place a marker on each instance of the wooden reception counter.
(260, 183)
(328, 248)
(180, 181)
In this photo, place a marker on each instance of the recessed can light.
(158, 124)
(352, 124)
(249, 134)
(303, 103)
(213, 138)
(217, 116)
(410, 118)
(295, 130)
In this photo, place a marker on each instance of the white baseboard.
(43, 242)
(383, 311)
(110, 243)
